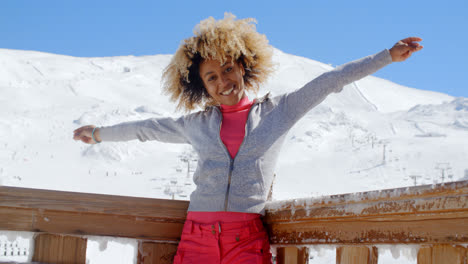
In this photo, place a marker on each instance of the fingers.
(85, 139)
(418, 48)
(412, 43)
(88, 140)
(411, 39)
(411, 48)
(415, 47)
(78, 130)
(77, 133)
(84, 134)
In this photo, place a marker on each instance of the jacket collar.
(256, 101)
(263, 98)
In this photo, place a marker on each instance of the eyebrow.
(207, 73)
(227, 62)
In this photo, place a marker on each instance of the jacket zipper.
(231, 160)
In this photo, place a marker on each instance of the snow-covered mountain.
(375, 134)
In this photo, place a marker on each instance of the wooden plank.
(424, 215)
(57, 249)
(393, 230)
(374, 256)
(425, 255)
(421, 215)
(90, 224)
(156, 253)
(465, 249)
(356, 255)
(90, 214)
(411, 206)
(303, 255)
(292, 255)
(442, 254)
(108, 225)
(352, 255)
(428, 199)
(15, 197)
(446, 254)
(18, 219)
(286, 255)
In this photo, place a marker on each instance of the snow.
(322, 254)
(409, 252)
(388, 254)
(389, 97)
(398, 254)
(373, 135)
(16, 246)
(103, 249)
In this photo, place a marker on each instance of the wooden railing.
(433, 216)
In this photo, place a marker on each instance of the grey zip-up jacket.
(242, 184)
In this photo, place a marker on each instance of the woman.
(237, 139)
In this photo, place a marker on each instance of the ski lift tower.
(384, 143)
(445, 170)
(188, 157)
(415, 178)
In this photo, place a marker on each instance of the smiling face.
(224, 83)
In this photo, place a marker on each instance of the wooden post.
(156, 253)
(292, 255)
(425, 255)
(58, 249)
(356, 255)
(441, 254)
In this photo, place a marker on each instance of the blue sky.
(325, 30)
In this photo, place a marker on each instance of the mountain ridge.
(374, 134)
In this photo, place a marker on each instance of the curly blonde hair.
(219, 40)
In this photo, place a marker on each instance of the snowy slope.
(375, 134)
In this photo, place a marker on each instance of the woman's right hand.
(85, 134)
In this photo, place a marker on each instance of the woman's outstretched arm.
(169, 130)
(294, 105)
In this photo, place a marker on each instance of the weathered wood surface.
(292, 255)
(48, 211)
(357, 255)
(59, 249)
(423, 214)
(156, 253)
(443, 254)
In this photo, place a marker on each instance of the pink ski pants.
(214, 238)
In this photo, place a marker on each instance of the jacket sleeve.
(167, 130)
(296, 104)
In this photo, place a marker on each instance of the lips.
(228, 92)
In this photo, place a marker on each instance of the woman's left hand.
(404, 48)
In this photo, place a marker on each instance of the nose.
(223, 81)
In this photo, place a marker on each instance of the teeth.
(228, 91)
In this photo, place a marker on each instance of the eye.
(211, 77)
(228, 69)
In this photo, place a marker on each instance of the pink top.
(233, 125)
